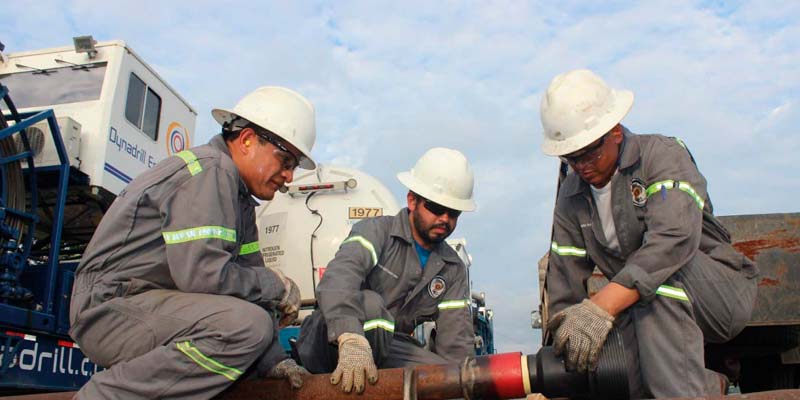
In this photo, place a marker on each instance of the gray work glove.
(580, 331)
(355, 361)
(289, 370)
(289, 305)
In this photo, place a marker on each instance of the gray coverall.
(376, 287)
(170, 293)
(693, 285)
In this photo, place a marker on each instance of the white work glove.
(355, 361)
(580, 331)
(289, 370)
(289, 305)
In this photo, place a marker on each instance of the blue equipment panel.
(31, 361)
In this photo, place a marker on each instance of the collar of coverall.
(218, 143)
(629, 155)
(401, 228)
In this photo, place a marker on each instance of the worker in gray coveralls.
(172, 295)
(636, 206)
(391, 274)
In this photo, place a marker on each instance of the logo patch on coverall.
(638, 192)
(437, 286)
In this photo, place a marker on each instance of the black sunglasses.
(438, 209)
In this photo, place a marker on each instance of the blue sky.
(392, 79)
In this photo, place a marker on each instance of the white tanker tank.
(301, 230)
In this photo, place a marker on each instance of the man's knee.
(247, 326)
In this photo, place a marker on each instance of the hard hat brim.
(622, 105)
(413, 184)
(223, 116)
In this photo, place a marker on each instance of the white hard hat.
(281, 111)
(577, 109)
(442, 176)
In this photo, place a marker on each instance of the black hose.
(313, 236)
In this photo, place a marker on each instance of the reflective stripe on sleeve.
(366, 244)
(379, 323)
(672, 292)
(248, 248)
(200, 232)
(188, 349)
(453, 304)
(191, 161)
(568, 250)
(671, 184)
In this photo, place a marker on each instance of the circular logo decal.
(638, 192)
(177, 138)
(437, 286)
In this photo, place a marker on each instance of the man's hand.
(289, 370)
(355, 361)
(289, 306)
(581, 330)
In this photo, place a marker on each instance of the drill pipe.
(487, 377)
(497, 376)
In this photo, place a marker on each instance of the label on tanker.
(270, 238)
(364, 212)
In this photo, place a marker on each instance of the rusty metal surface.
(438, 382)
(389, 387)
(773, 242)
(771, 395)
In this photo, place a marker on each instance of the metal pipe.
(788, 394)
(389, 387)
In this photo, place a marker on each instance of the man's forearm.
(615, 298)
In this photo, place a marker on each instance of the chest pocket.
(629, 204)
(386, 279)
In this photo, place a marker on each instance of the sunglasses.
(591, 153)
(438, 209)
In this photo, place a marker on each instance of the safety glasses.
(438, 209)
(589, 154)
(288, 161)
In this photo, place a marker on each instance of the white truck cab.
(117, 116)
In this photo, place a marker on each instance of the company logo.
(177, 138)
(437, 286)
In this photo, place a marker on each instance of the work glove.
(289, 370)
(355, 361)
(289, 305)
(580, 331)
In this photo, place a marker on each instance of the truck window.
(152, 111)
(143, 107)
(45, 87)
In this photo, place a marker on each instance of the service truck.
(94, 115)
